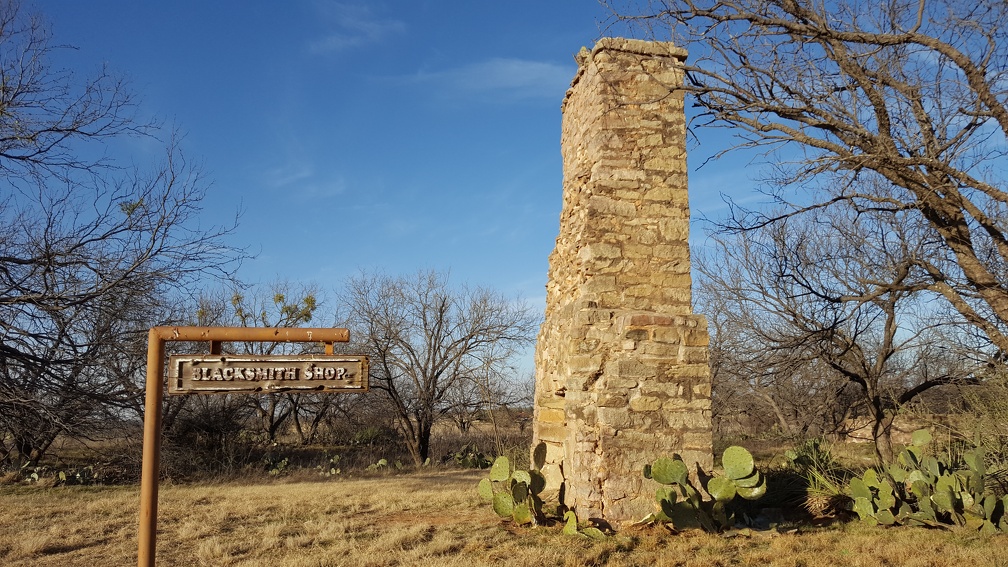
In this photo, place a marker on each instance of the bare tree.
(427, 340)
(895, 107)
(278, 304)
(758, 389)
(284, 304)
(89, 251)
(832, 291)
(47, 112)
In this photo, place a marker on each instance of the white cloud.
(302, 181)
(505, 77)
(287, 174)
(352, 25)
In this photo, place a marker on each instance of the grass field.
(430, 518)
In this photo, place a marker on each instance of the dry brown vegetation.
(430, 518)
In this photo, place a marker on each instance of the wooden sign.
(216, 373)
(225, 373)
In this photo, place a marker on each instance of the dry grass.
(420, 519)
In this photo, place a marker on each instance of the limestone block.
(702, 457)
(554, 432)
(663, 389)
(616, 382)
(553, 474)
(655, 139)
(675, 297)
(616, 417)
(644, 320)
(612, 399)
(674, 229)
(639, 251)
(615, 185)
(684, 404)
(551, 415)
(554, 452)
(609, 206)
(697, 440)
(680, 373)
(702, 390)
(631, 367)
(599, 250)
(638, 334)
(585, 364)
(549, 402)
(642, 291)
(693, 355)
(645, 403)
(619, 168)
(598, 284)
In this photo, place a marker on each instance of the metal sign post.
(217, 373)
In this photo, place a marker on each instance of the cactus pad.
(669, 471)
(754, 493)
(501, 469)
(858, 489)
(750, 481)
(920, 437)
(503, 504)
(721, 489)
(522, 476)
(521, 514)
(486, 490)
(570, 523)
(737, 462)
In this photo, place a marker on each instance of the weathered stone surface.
(622, 372)
(551, 415)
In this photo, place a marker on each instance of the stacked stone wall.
(622, 373)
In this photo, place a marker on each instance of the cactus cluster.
(515, 494)
(682, 505)
(924, 490)
(470, 457)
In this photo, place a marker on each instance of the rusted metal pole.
(156, 339)
(263, 334)
(151, 449)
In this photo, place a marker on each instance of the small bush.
(825, 479)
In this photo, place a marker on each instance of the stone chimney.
(622, 372)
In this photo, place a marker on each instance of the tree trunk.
(423, 443)
(882, 433)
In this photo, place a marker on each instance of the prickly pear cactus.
(571, 528)
(919, 489)
(740, 470)
(514, 494)
(682, 504)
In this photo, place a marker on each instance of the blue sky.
(391, 135)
